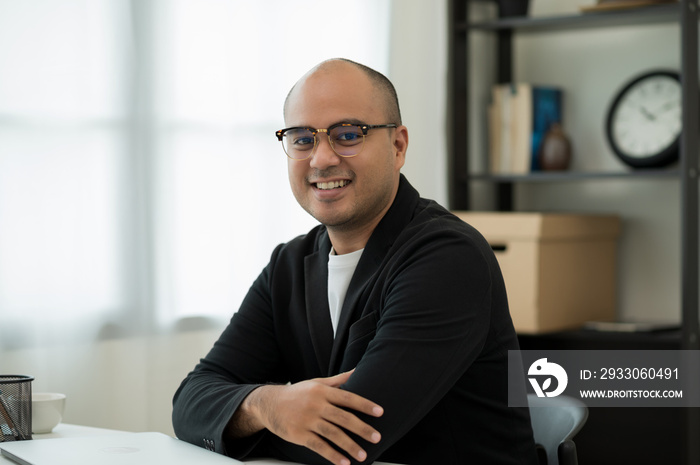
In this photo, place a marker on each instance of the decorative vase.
(555, 151)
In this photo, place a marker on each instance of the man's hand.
(310, 413)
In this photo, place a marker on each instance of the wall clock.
(643, 123)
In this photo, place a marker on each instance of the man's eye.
(300, 142)
(348, 137)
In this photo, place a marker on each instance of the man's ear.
(400, 142)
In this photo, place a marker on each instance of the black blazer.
(425, 323)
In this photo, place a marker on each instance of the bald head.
(384, 89)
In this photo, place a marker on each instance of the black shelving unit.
(685, 15)
(566, 176)
(650, 15)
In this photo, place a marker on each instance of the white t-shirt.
(340, 271)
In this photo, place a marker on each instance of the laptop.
(116, 449)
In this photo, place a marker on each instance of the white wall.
(124, 384)
(418, 70)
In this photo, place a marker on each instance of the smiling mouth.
(325, 186)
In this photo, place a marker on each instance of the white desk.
(71, 431)
(67, 431)
(64, 430)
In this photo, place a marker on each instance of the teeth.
(331, 185)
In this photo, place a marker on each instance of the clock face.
(644, 123)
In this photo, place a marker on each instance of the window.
(140, 179)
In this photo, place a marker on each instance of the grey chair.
(555, 421)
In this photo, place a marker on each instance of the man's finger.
(355, 402)
(322, 448)
(348, 399)
(335, 435)
(351, 423)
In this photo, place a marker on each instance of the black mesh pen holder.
(15, 407)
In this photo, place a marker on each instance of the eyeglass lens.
(346, 141)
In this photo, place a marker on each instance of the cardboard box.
(559, 269)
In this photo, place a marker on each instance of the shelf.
(553, 176)
(645, 15)
(578, 339)
(682, 15)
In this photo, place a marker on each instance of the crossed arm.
(310, 413)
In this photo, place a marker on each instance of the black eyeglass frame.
(363, 127)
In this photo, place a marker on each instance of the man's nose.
(324, 155)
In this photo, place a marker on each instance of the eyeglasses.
(345, 139)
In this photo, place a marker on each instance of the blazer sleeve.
(244, 354)
(432, 326)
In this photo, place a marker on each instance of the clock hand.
(646, 113)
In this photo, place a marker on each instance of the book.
(546, 110)
(500, 127)
(519, 117)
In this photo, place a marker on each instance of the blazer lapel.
(317, 310)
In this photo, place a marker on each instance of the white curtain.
(140, 180)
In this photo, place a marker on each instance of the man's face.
(367, 182)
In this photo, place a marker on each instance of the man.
(398, 352)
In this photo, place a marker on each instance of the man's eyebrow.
(353, 121)
(349, 121)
